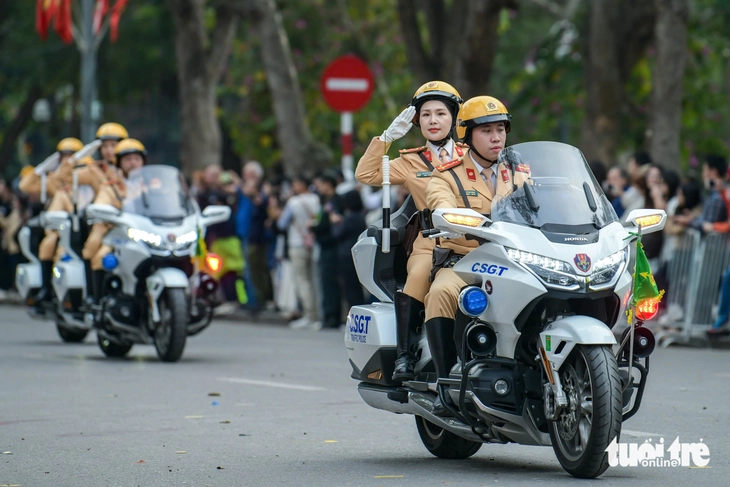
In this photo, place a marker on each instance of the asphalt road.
(286, 414)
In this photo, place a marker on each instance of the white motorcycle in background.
(153, 292)
(539, 363)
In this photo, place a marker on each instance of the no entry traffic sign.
(347, 84)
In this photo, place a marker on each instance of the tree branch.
(226, 22)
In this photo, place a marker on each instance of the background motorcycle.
(154, 290)
(538, 365)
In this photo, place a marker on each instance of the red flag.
(114, 19)
(100, 11)
(45, 11)
(63, 23)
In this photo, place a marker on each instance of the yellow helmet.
(480, 110)
(130, 146)
(70, 144)
(437, 90)
(111, 131)
(26, 170)
(86, 160)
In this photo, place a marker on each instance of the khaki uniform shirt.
(443, 192)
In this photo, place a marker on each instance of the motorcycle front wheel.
(171, 332)
(592, 418)
(69, 335)
(445, 444)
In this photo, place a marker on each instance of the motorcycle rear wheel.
(444, 444)
(171, 332)
(592, 419)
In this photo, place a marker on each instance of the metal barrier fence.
(693, 276)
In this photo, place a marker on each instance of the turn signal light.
(647, 309)
(466, 220)
(649, 220)
(213, 262)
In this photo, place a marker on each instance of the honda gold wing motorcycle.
(155, 291)
(539, 363)
(68, 279)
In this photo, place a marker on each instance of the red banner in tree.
(45, 11)
(100, 11)
(114, 19)
(63, 25)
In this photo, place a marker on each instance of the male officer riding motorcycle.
(475, 181)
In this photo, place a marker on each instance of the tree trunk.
(617, 35)
(10, 136)
(667, 82)
(298, 150)
(200, 59)
(461, 41)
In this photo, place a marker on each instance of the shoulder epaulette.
(413, 150)
(448, 165)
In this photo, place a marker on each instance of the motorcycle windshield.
(561, 195)
(158, 192)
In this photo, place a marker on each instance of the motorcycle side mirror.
(215, 214)
(102, 212)
(649, 220)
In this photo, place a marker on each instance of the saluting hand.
(400, 126)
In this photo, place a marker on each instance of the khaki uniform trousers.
(48, 247)
(92, 247)
(442, 299)
(419, 268)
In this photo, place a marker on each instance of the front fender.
(167, 277)
(562, 335)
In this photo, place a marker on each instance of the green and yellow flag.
(644, 284)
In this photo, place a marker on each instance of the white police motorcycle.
(68, 278)
(539, 363)
(154, 292)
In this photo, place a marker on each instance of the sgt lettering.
(493, 269)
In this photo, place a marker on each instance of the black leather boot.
(440, 333)
(45, 293)
(89, 283)
(408, 319)
(98, 280)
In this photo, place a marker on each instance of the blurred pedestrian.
(331, 203)
(617, 180)
(346, 228)
(297, 219)
(714, 207)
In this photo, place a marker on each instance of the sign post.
(347, 85)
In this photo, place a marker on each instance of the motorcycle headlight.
(152, 239)
(186, 238)
(605, 269)
(551, 271)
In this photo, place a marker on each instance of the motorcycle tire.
(591, 381)
(445, 444)
(71, 336)
(171, 332)
(112, 349)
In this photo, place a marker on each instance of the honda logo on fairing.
(576, 239)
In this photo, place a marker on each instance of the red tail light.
(213, 262)
(647, 309)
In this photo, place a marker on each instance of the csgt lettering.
(488, 269)
(359, 323)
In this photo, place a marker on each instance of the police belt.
(443, 259)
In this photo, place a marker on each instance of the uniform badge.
(582, 262)
(471, 174)
(432, 84)
(471, 192)
(448, 165)
(423, 174)
(459, 151)
(491, 106)
(427, 155)
(505, 176)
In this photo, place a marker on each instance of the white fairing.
(363, 254)
(368, 328)
(573, 330)
(27, 277)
